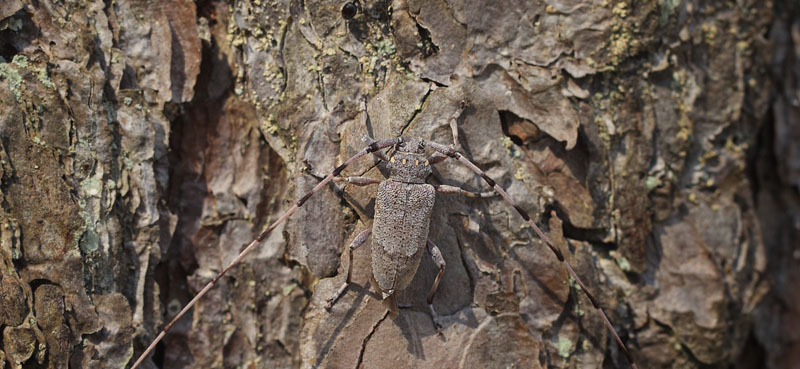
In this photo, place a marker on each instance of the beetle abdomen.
(400, 231)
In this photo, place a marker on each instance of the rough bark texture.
(143, 143)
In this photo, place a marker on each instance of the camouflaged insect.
(402, 219)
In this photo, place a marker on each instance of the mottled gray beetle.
(403, 207)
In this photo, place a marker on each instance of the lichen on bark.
(143, 143)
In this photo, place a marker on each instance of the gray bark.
(144, 143)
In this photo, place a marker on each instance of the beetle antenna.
(371, 148)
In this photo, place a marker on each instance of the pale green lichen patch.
(564, 347)
(521, 175)
(385, 47)
(44, 78)
(12, 23)
(128, 163)
(579, 311)
(622, 262)
(10, 72)
(12, 78)
(21, 60)
(511, 147)
(41, 72)
(91, 186)
(652, 183)
(710, 33)
(288, 289)
(574, 284)
(667, 9)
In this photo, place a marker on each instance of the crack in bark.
(416, 111)
(367, 338)
(281, 46)
(321, 86)
(349, 201)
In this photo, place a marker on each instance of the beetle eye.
(349, 10)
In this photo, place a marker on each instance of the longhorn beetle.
(402, 216)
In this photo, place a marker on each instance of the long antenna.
(372, 147)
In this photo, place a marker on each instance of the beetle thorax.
(409, 164)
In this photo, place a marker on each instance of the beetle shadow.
(409, 327)
(594, 333)
(367, 209)
(567, 313)
(415, 321)
(362, 293)
(410, 333)
(549, 292)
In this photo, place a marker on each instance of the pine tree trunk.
(145, 143)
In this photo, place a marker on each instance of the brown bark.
(143, 143)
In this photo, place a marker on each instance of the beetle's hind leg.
(436, 254)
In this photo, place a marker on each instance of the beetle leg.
(449, 151)
(358, 241)
(366, 138)
(436, 158)
(436, 254)
(372, 147)
(460, 191)
(378, 154)
(355, 180)
(359, 181)
(454, 125)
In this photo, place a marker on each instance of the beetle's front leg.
(356, 180)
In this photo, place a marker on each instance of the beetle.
(402, 220)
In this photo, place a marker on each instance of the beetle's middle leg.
(436, 254)
(358, 241)
(460, 191)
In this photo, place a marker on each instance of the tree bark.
(144, 143)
